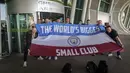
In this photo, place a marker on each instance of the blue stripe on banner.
(68, 29)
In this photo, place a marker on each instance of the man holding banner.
(114, 35)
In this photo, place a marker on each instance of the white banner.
(71, 40)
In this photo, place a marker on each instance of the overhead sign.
(50, 6)
(71, 40)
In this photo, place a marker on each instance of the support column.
(89, 7)
(73, 11)
(8, 30)
(84, 10)
(112, 5)
(88, 11)
(19, 39)
(98, 9)
(111, 11)
(0, 36)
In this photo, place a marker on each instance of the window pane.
(106, 8)
(4, 38)
(14, 35)
(77, 16)
(65, 2)
(80, 4)
(67, 12)
(102, 6)
(22, 20)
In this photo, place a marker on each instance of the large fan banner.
(71, 40)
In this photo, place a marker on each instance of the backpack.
(91, 67)
(67, 68)
(102, 67)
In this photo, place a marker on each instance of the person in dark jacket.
(28, 39)
(114, 35)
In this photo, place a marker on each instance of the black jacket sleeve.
(36, 35)
(28, 37)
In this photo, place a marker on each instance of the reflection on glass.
(14, 35)
(4, 38)
(22, 19)
(25, 20)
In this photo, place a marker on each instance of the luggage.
(102, 67)
(91, 67)
(67, 68)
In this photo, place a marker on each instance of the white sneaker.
(49, 58)
(119, 57)
(55, 57)
(25, 64)
(110, 55)
(40, 58)
(46, 57)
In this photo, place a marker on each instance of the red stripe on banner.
(42, 50)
